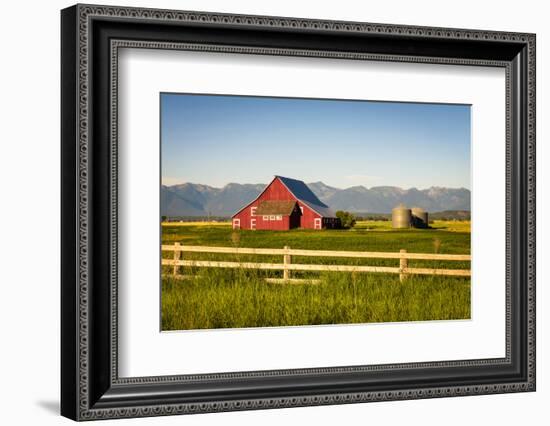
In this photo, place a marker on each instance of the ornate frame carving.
(91, 388)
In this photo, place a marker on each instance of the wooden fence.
(287, 266)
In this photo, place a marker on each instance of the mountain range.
(190, 199)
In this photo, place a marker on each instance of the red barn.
(285, 204)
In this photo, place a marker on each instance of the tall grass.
(218, 298)
(236, 298)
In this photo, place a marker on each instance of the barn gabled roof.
(270, 207)
(302, 192)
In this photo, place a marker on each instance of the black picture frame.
(90, 386)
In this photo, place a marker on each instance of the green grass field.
(234, 298)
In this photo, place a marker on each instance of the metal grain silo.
(401, 217)
(419, 217)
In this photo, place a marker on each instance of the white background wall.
(29, 213)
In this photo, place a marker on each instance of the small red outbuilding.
(285, 204)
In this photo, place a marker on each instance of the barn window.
(264, 217)
(271, 217)
(279, 217)
(253, 211)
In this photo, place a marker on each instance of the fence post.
(403, 264)
(286, 261)
(177, 254)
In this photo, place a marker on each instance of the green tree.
(347, 220)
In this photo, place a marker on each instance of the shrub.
(347, 220)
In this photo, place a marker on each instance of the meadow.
(233, 298)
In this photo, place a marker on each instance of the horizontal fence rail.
(318, 253)
(287, 266)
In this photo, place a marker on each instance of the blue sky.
(215, 140)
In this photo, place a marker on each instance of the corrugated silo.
(401, 217)
(420, 217)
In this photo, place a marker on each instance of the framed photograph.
(263, 212)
